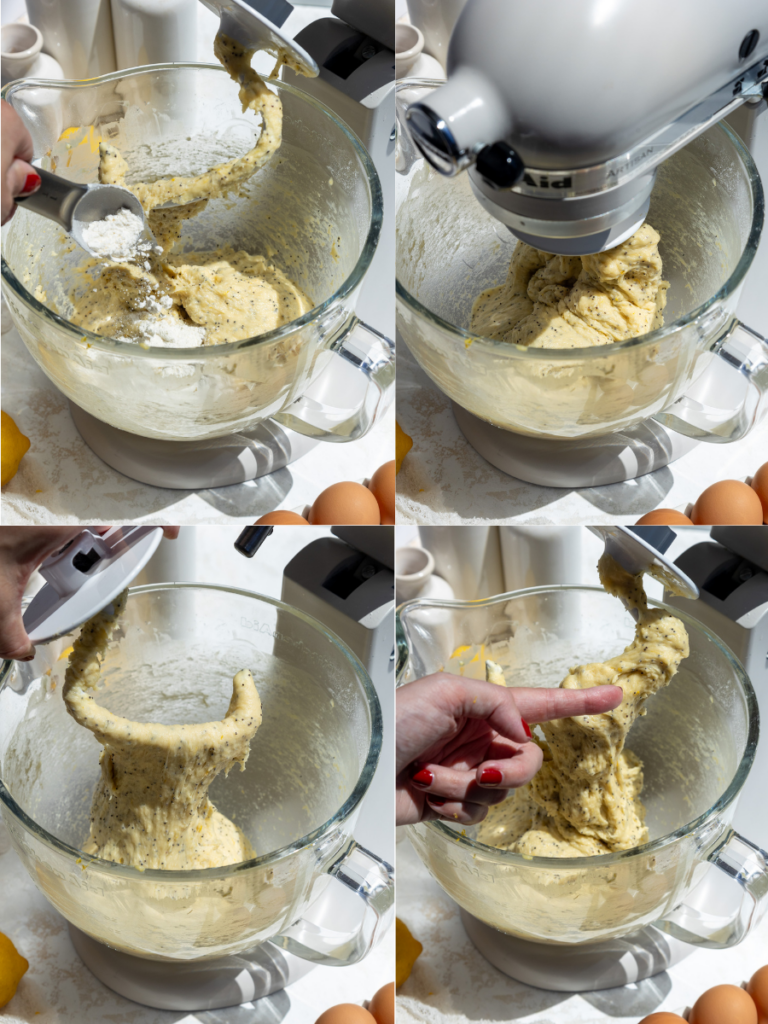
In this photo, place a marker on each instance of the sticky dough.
(150, 808)
(231, 293)
(585, 799)
(576, 301)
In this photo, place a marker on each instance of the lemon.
(403, 445)
(12, 969)
(407, 952)
(14, 448)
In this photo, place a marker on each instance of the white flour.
(120, 236)
(172, 332)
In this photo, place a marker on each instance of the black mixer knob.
(500, 165)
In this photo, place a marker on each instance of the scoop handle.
(370, 878)
(746, 864)
(56, 198)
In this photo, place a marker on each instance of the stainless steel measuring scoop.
(74, 206)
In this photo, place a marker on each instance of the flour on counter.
(120, 236)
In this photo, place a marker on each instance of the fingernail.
(436, 801)
(490, 777)
(29, 657)
(424, 777)
(31, 183)
(526, 727)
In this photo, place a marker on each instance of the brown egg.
(663, 1018)
(281, 518)
(728, 503)
(758, 989)
(664, 517)
(346, 1013)
(345, 503)
(382, 487)
(724, 1004)
(760, 487)
(382, 1006)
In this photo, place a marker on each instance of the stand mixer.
(571, 159)
(341, 388)
(544, 921)
(198, 940)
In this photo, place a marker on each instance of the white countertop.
(58, 988)
(444, 480)
(62, 481)
(452, 983)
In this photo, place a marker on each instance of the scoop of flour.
(120, 236)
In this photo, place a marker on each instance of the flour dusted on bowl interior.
(150, 808)
(201, 298)
(585, 799)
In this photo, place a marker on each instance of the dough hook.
(261, 31)
(640, 549)
(85, 575)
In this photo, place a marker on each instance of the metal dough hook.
(644, 553)
(85, 576)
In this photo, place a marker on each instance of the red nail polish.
(31, 183)
(424, 777)
(490, 777)
(526, 727)
(434, 800)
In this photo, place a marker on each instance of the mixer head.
(562, 118)
(85, 576)
(640, 549)
(255, 24)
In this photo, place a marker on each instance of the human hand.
(461, 744)
(19, 177)
(22, 549)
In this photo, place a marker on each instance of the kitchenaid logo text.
(545, 181)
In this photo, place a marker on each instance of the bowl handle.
(369, 361)
(748, 865)
(370, 878)
(722, 408)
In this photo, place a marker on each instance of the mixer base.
(620, 961)
(588, 462)
(195, 984)
(193, 465)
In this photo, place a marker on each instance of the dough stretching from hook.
(585, 799)
(150, 808)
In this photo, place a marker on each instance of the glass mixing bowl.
(697, 743)
(707, 205)
(315, 211)
(172, 660)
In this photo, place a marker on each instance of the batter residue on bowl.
(150, 808)
(576, 301)
(585, 799)
(205, 298)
